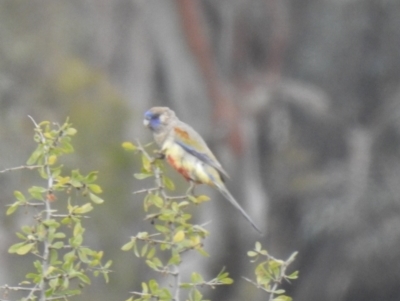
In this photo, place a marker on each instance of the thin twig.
(179, 197)
(147, 190)
(141, 294)
(177, 279)
(30, 167)
(46, 243)
(60, 297)
(160, 187)
(18, 288)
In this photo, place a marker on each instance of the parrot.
(187, 152)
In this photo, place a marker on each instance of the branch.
(46, 243)
(30, 167)
(175, 289)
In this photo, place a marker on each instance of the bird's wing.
(191, 141)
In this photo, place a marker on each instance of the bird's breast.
(190, 167)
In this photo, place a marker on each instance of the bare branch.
(30, 167)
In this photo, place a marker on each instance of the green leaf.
(202, 198)
(226, 281)
(129, 146)
(157, 262)
(83, 254)
(151, 264)
(37, 192)
(37, 153)
(163, 229)
(52, 159)
(144, 250)
(49, 270)
(66, 147)
(145, 288)
(15, 247)
(128, 246)
(38, 265)
(59, 235)
(153, 285)
(71, 131)
(292, 257)
(165, 295)
(56, 171)
(25, 249)
(156, 200)
(95, 199)
(196, 278)
(179, 236)
(183, 204)
(167, 182)
(294, 275)
(26, 229)
(57, 245)
(258, 246)
(203, 252)
(65, 283)
(135, 250)
(197, 296)
(92, 176)
(83, 209)
(192, 198)
(51, 223)
(78, 229)
(141, 176)
(252, 253)
(44, 123)
(95, 188)
(76, 241)
(32, 276)
(19, 196)
(21, 236)
(108, 264)
(146, 163)
(53, 257)
(82, 277)
(151, 253)
(175, 259)
(105, 275)
(53, 283)
(12, 208)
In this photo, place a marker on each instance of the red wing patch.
(181, 133)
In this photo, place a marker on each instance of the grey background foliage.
(298, 99)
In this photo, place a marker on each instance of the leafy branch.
(175, 234)
(56, 239)
(271, 272)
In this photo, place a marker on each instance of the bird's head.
(157, 118)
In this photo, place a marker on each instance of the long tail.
(224, 191)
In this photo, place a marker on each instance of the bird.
(187, 152)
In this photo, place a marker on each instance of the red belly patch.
(178, 168)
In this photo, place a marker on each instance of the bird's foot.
(159, 155)
(190, 190)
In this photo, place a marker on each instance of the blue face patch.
(153, 120)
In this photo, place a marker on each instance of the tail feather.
(224, 191)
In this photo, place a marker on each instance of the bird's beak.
(146, 122)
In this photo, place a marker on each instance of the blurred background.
(300, 100)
